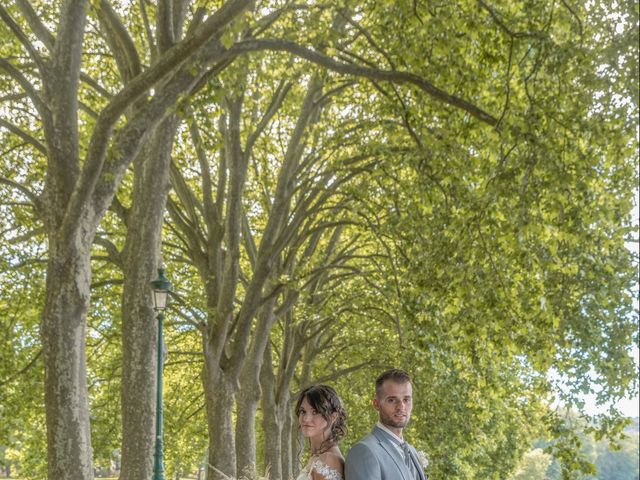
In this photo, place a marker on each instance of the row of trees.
(334, 188)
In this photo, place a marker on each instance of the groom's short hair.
(395, 375)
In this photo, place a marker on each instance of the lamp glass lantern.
(161, 288)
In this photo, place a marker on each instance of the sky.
(630, 407)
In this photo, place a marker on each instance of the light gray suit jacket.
(374, 458)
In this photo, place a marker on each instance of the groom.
(383, 454)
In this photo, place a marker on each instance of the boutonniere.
(423, 459)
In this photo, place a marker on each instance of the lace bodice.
(320, 467)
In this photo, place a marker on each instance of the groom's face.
(394, 404)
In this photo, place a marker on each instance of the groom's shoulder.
(369, 439)
(366, 450)
(363, 448)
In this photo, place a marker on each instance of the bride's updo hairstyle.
(325, 400)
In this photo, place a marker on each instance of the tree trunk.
(250, 392)
(64, 316)
(271, 422)
(63, 339)
(294, 453)
(288, 426)
(272, 441)
(219, 400)
(247, 403)
(139, 328)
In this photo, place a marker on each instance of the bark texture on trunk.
(272, 423)
(250, 393)
(287, 461)
(273, 443)
(66, 393)
(139, 328)
(247, 404)
(219, 399)
(64, 316)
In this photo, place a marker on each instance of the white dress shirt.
(397, 445)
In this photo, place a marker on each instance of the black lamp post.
(161, 288)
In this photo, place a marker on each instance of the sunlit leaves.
(481, 258)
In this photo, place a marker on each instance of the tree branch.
(120, 42)
(275, 104)
(254, 45)
(31, 363)
(37, 27)
(27, 236)
(22, 38)
(27, 86)
(172, 59)
(23, 135)
(504, 26)
(209, 207)
(28, 193)
(112, 251)
(338, 373)
(575, 15)
(370, 39)
(148, 30)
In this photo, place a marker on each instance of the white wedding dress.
(320, 467)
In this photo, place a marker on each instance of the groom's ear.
(376, 403)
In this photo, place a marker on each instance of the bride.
(322, 420)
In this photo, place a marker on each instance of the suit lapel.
(385, 443)
(416, 463)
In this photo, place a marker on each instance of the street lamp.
(161, 288)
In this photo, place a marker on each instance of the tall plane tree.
(81, 181)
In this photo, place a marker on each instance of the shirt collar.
(382, 427)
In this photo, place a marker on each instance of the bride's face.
(312, 423)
